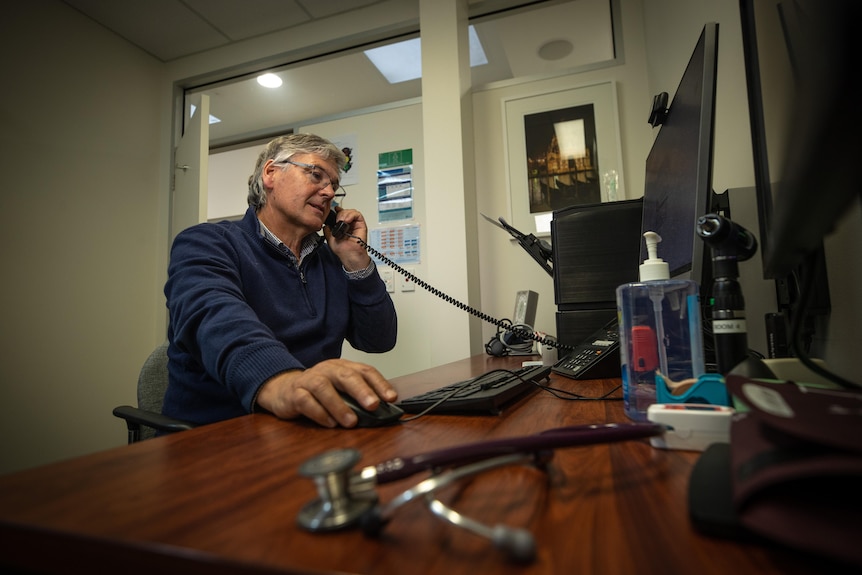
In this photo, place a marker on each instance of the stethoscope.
(346, 497)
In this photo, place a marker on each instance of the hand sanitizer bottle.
(660, 331)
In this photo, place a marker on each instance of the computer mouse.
(385, 414)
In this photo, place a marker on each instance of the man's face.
(300, 195)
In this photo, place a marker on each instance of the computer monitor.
(678, 187)
(815, 139)
(801, 105)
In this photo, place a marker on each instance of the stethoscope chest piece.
(335, 508)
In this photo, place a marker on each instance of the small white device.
(525, 308)
(691, 426)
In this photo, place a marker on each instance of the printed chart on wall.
(398, 243)
(395, 186)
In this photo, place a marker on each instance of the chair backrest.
(152, 383)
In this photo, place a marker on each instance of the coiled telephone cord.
(505, 325)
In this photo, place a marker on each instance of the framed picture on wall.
(562, 150)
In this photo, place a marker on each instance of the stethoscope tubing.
(398, 468)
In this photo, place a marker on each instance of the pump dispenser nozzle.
(653, 268)
(660, 333)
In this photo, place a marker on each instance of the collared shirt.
(309, 243)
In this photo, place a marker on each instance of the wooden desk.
(225, 497)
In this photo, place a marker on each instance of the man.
(260, 308)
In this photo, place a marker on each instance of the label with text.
(721, 326)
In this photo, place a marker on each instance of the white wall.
(84, 233)
(505, 267)
(227, 180)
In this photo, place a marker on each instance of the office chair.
(143, 421)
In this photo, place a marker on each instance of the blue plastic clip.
(709, 388)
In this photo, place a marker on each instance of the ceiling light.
(269, 80)
(402, 61)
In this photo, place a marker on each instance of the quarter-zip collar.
(309, 243)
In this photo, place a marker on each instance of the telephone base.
(597, 357)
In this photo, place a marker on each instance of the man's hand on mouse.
(313, 392)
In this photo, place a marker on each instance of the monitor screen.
(777, 66)
(788, 46)
(817, 43)
(678, 186)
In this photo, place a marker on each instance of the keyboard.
(486, 393)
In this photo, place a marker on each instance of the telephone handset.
(340, 230)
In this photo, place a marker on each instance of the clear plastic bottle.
(660, 331)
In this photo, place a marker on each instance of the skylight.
(213, 119)
(402, 61)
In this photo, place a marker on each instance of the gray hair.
(283, 148)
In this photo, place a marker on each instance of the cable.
(456, 388)
(558, 393)
(517, 346)
(798, 320)
(505, 342)
(561, 393)
(517, 331)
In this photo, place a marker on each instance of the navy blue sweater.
(241, 312)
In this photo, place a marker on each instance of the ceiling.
(172, 29)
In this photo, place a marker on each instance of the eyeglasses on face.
(318, 177)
